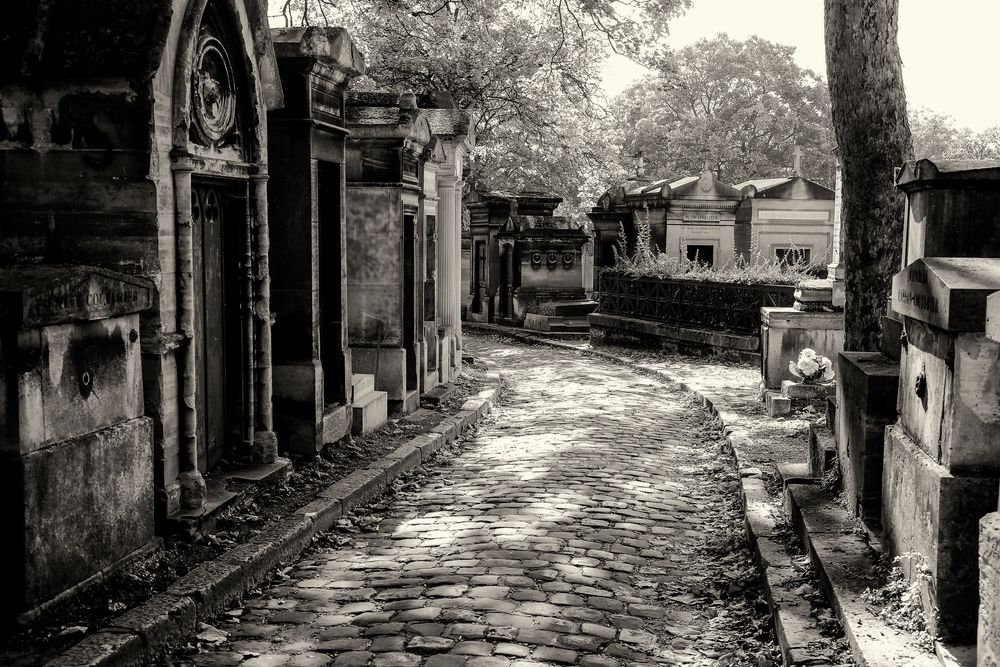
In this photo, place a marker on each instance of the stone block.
(932, 512)
(867, 384)
(786, 331)
(988, 633)
(70, 379)
(953, 209)
(777, 405)
(336, 423)
(74, 509)
(369, 412)
(891, 339)
(822, 451)
(388, 364)
(804, 391)
(949, 400)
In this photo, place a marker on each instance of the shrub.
(758, 269)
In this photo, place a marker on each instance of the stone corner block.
(212, 586)
(322, 512)
(103, 649)
(159, 621)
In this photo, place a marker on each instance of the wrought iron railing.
(731, 307)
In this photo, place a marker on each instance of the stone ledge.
(140, 635)
(846, 567)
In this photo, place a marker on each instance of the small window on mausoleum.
(789, 256)
(702, 254)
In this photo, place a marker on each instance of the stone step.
(822, 450)
(361, 384)
(846, 565)
(438, 394)
(369, 411)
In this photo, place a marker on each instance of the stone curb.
(794, 627)
(143, 634)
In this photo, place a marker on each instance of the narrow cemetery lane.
(591, 525)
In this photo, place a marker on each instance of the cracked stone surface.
(571, 532)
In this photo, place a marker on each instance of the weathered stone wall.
(374, 264)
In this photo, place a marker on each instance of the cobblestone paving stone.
(570, 533)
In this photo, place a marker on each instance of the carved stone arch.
(216, 89)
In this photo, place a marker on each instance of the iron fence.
(730, 307)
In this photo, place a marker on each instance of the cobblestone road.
(575, 531)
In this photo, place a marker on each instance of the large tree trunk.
(873, 135)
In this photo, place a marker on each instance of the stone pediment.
(947, 292)
(42, 294)
(332, 47)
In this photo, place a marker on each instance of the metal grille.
(727, 307)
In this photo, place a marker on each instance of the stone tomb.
(141, 142)
(942, 458)
(988, 634)
(386, 243)
(312, 363)
(692, 217)
(529, 263)
(77, 451)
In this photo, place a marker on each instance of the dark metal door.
(410, 284)
(219, 217)
(331, 343)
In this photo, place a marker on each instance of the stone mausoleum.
(142, 152)
(787, 219)
(313, 380)
(527, 264)
(403, 221)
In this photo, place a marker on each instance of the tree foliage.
(529, 68)
(935, 135)
(741, 105)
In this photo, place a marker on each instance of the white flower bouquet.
(812, 368)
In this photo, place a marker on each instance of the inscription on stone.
(947, 292)
(41, 295)
(702, 216)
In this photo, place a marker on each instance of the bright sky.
(948, 54)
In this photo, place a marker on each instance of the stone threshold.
(224, 489)
(794, 627)
(146, 633)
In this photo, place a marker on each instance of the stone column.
(265, 443)
(835, 270)
(455, 285)
(447, 222)
(192, 484)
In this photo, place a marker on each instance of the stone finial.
(407, 100)
(797, 160)
(814, 295)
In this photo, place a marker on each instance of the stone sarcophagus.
(77, 473)
(544, 264)
(942, 458)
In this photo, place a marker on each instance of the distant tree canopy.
(935, 135)
(741, 105)
(529, 67)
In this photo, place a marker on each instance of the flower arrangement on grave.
(811, 368)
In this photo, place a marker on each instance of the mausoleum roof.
(704, 186)
(918, 172)
(791, 187)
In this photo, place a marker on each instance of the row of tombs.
(917, 424)
(527, 267)
(212, 253)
